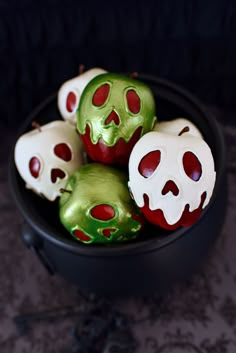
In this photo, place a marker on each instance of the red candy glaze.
(117, 154)
(34, 167)
(103, 212)
(100, 95)
(133, 101)
(71, 102)
(63, 151)
(80, 235)
(149, 163)
(157, 217)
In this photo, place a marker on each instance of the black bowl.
(158, 258)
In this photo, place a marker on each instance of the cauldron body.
(159, 258)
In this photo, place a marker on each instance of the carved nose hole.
(113, 116)
(170, 186)
(57, 174)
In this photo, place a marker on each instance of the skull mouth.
(118, 153)
(107, 232)
(187, 218)
(85, 238)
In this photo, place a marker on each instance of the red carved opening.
(133, 101)
(149, 163)
(34, 167)
(100, 95)
(80, 235)
(113, 116)
(192, 166)
(57, 173)
(63, 151)
(107, 232)
(71, 102)
(170, 186)
(103, 212)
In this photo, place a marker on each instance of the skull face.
(70, 92)
(45, 158)
(171, 178)
(113, 113)
(97, 207)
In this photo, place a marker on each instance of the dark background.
(42, 43)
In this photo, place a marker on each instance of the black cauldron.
(159, 258)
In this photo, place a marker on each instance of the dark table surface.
(196, 316)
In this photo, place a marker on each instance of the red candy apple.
(171, 178)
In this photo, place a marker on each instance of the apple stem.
(185, 129)
(134, 74)
(81, 69)
(36, 125)
(65, 190)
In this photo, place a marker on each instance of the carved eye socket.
(102, 212)
(100, 95)
(133, 101)
(192, 166)
(63, 151)
(71, 102)
(149, 163)
(34, 167)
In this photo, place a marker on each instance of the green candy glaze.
(94, 185)
(95, 116)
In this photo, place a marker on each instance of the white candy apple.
(171, 178)
(177, 126)
(69, 93)
(46, 156)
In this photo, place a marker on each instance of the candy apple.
(171, 178)
(114, 112)
(46, 156)
(96, 206)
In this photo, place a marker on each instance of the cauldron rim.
(148, 245)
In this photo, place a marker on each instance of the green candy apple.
(113, 113)
(96, 206)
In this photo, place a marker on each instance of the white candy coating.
(172, 150)
(41, 144)
(176, 126)
(76, 86)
